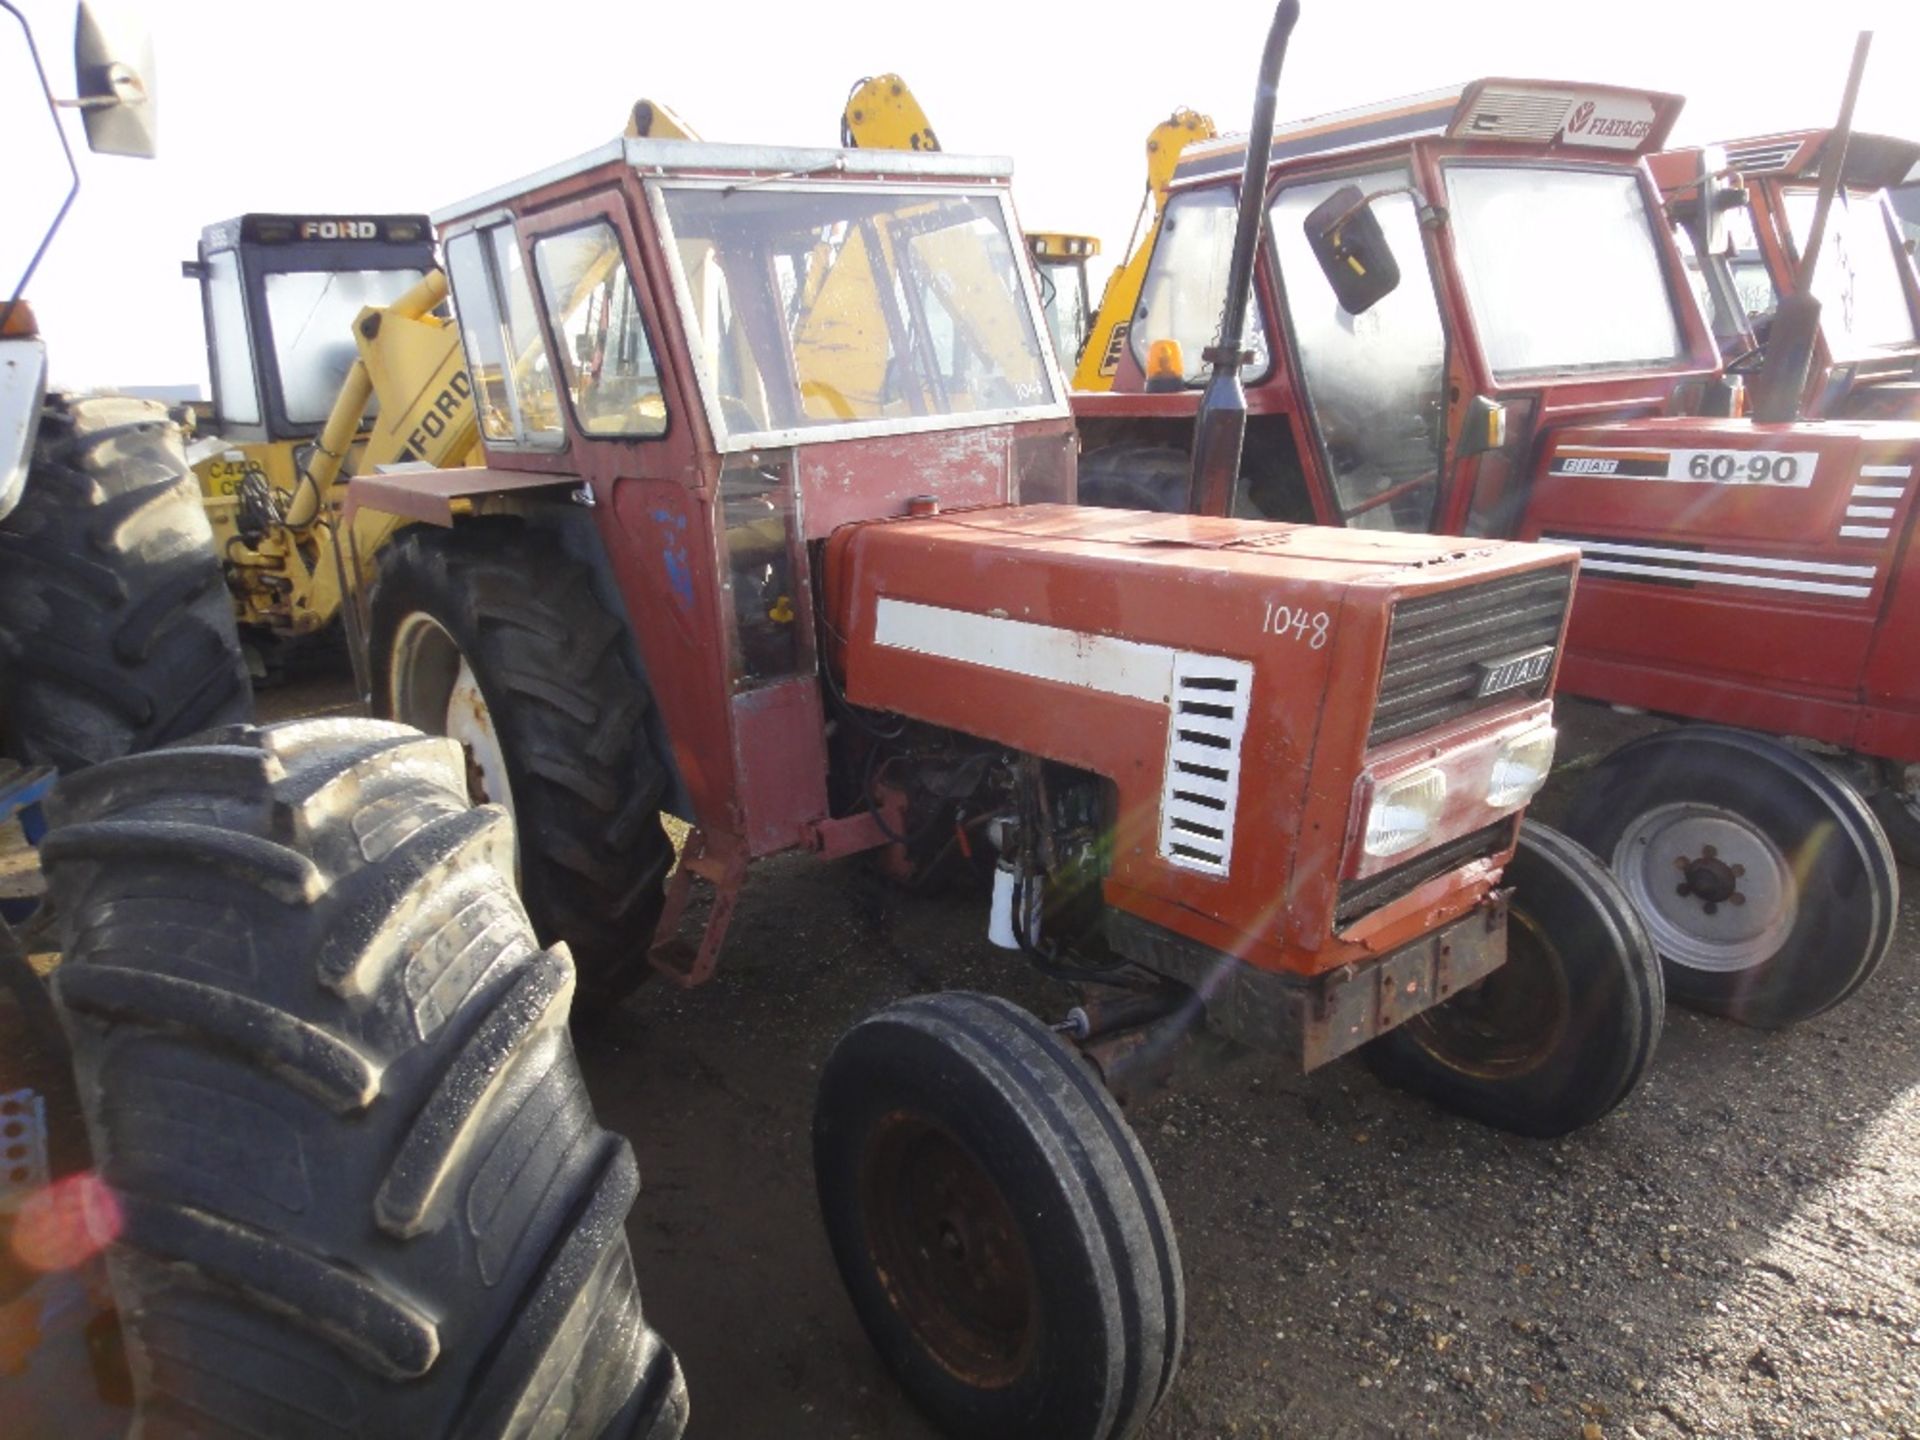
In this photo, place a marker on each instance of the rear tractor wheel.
(326, 1069)
(493, 636)
(1561, 1033)
(116, 631)
(1765, 881)
(998, 1228)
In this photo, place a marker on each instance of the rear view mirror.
(1352, 249)
(113, 67)
(1701, 208)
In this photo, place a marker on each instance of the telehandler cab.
(805, 571)
(1472, 320)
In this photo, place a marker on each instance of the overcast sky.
(393, 105)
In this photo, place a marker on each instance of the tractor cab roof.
(1873, 161)
(660, 159)
(1559, 117)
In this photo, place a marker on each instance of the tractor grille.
(1440, 649)
(1362, 897)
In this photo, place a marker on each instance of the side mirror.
(113, 66)
(1352, 249)
(1701, 209)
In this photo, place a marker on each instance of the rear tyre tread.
(570, 709)
(116, 631)
(252, 1118)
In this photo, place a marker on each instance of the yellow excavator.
(307, 317)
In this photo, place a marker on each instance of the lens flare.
(66, 1224)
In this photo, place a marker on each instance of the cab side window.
(506, 358)
(605, 356)
(1185, 289)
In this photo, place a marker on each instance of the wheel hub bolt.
(1709, 879)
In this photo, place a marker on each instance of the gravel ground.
(1735, 1253)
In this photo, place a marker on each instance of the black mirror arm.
(1220, 429)
(73, 189)
(1430, 216)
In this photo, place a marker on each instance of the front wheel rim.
(434, 688)
(1716, 893)
(948, 1251)
(1510, 1023)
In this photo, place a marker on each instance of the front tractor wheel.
(1898, 811)
(1765, 881)
(1561, 1033)
(493, 636)
(998, 1228)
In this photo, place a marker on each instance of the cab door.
(1374, 386)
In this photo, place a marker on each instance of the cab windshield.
(1063, 298)
(819, 306)
(310, 315)
(1562, 270)
(1857, 279)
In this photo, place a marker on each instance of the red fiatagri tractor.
(1472, 321)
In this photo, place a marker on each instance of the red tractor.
(1742, 213)
(1473, 321)
(776, 534)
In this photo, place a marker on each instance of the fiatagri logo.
(1586, 121)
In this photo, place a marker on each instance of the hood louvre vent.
(1208, 720)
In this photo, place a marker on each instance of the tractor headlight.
(1404, 812)
(1521, 767)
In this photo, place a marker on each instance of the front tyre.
(1766, 883)
(1898, 811)
(1561, 1033)
(998, 1228)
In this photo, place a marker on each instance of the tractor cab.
(279, 294)
(1741, 214)
(809, 338)
(1516, 272)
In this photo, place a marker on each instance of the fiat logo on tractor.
(1513, 671)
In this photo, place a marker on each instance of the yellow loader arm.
(883, 113)
(1107, 337)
